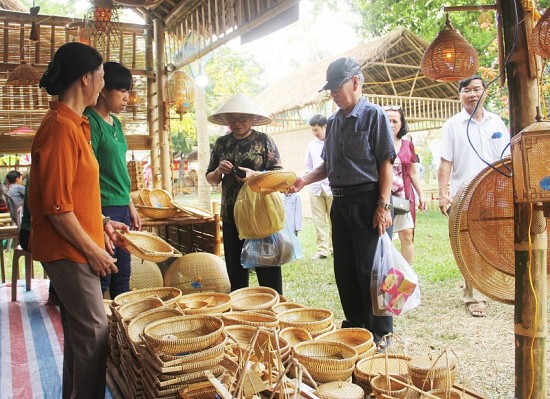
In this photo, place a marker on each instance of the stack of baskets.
(326, 361)
(316, 321)
(386, 364)
(156, 204)
(135, 171)
(254, 298)
(211, 303)
(359, 338)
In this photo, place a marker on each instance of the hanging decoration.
(450, 57)
(133, 103)
(102, 26)
(181, 92)
(24, 74)
(541, 35)
(34, 36)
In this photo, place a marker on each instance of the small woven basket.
(241, 295)
(160, 198)
(216, 303)
(325, 355)
(129, 311)
(137, 325)
(249, 319)
(432, 372)
(359, 338)
(310, 319)
(295, 335)
(386, 364)
(153, 212)
(382, 385)
(183, 334)
(284, 306)
(147, 246)
(166, 294)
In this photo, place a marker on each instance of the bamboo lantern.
(450, 57)
(181, 92)
(133, 103)
(541, 35)
(23, 75)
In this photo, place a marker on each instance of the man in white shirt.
(471, 139)
(319, 192)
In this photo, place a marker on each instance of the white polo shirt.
(489, 138)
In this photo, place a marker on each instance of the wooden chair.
(19, 252)
(6, 233)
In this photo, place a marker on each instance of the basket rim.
(145, 253)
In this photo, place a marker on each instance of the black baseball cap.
(340, 70)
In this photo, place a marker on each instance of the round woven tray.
(249, 319)
(160, 198)
(137, 325)
(147, 246)
(183, 334)
(153, 212)
(166, 294)
(310, 319)
(198, 272)
(129, 311)
(325, 355)
(193, 211)
(242, 294)
(216, 303)
(360, 338)
(340, 390)
(390, 364)
(295, 335)
(381, 385)
(271, 181)
(284, 306)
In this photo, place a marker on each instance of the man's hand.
(299, 183)
(445, 204)
(110, 233)
(101, 262)
(382, 219)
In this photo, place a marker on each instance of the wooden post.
(152, 103)
(530, 240)
(203, 150)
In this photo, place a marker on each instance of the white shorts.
(402, 222)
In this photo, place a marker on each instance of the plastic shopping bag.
(274, 250)
(394, 283)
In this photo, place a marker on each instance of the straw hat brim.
(271, 181)
(239, 104)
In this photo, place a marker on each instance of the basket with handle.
(395, 387)
(433, 372)
(147, 246)
(391, 364)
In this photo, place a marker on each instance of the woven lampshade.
(23, 75)
(181, 91)
(450, 57)
(541, 35)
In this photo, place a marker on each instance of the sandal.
(476, 309)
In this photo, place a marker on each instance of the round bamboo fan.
(481, 230)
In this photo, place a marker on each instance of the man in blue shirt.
(358, 158)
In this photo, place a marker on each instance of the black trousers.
(354, 241)
(238, 275)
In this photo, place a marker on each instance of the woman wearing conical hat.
(248, 150)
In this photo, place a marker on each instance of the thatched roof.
(390, 64)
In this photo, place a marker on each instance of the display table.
(188, 234)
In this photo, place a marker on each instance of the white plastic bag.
(274, 250)
(394, 284)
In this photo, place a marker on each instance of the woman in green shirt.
(110, 149)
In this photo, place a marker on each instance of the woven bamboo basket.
(129, 311)
(107, 305)
(249, 319)
(147, 246)
(216, 303)
(340, 390)
(242, 294)
(381, 385)
(325, 355)
(192, 211)
(360, 338)
(323, 375)
(243, 336)
(144, 274)
(145, 196)
(256, 301)
(137, 325)
(183, 334)
(198, 272)
(317, 333)
(166, 294)
(160, 198)
(271, 181)
(295, 335)
(432, 372)
(136, 198)
(386, 364)
(153, 212)
(310, 319)
(284, 306)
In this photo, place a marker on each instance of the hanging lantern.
(181, 92)
(23, 75)
(133, 103)
(102, 26)
(541, 35)
(450, 57)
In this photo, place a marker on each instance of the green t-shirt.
(110, 149)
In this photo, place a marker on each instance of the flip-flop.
(476, 310)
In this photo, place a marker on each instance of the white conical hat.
(239, 104)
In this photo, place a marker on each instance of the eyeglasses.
(476, 90)
(392, 107)
(239, 119)
(340, 86)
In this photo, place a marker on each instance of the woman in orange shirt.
(67, 230)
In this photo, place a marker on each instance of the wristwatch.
(106, 219)
(385, 205)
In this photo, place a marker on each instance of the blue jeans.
(118, 283)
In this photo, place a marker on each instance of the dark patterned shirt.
(356, 146)
(257, 152)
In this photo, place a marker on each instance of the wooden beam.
(393, 65)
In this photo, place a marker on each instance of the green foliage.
(55, 7)
(183, 134)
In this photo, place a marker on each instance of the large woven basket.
(382, 385)
(310, 319)
(183, 334)
(166, 294)
(147, 246)
(360, 338)
(198, 272)
(386, 364)
(258, 298)
(153, 212)
(144, 274)
(160, 198)
(432, 372)
(325, 355)
(249, 319)
(216, 303)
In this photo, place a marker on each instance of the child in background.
(293, 212)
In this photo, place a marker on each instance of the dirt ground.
(484, 346)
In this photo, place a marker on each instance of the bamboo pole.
(152, 103)
(530, 240)
(203, 150)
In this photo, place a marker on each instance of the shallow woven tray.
(153, 212)
(310, 319)
(216, 303)
(249, 319)
(129, 311)
(284, 306)
(390, 364)
(360, 338)
(295, 335)
(148, 246)
(145, 196)
(166, 294)
(271, 181)
(160, 198)
(325, 355)
(193, 211)
(257, 301)
(247, 292)
(340, 390)
(137, 325)
(183, 334)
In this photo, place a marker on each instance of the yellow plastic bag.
(258, 215)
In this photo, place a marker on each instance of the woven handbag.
(400, 205)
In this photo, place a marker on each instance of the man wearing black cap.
(358, 161)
